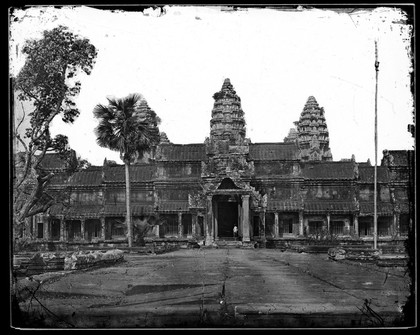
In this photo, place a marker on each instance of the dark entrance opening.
(55, 229)
(256, 226)
(227, 218)
(92, 229)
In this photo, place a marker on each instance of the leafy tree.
(129, 126)
(47, 81)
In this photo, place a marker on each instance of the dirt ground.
(221, 288)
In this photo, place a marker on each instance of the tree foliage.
(47, 81)
(128, 126)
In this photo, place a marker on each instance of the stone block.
(337, 253)
(85, 259)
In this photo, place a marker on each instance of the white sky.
(275, 59)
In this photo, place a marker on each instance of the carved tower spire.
(313, 138)
(227, 118)
(227, 148)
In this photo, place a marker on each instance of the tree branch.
(41, 209)
(42, 155)
(27, 166)
(21, 141)
(28, 93)
(23, 117)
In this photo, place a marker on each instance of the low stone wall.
(354, 254)
(71, 246)
(41, 262)
(59, 261)
(368, 255)
(295, 243)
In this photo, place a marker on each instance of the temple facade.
(269, 191)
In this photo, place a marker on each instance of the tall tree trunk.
(128, 205)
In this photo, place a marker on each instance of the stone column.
(306, 226)
(356, 224)
(180, 227)
(245, 218)
(396, 224)
(262, 225)
(46, 226)
(82, 228)
(301, 223)
(209, 222)
(281, 228)
(328, 222)
(239, 220)
(35, 227)
(157, 231)
(62, 229)
(276, 224)
(216, 223)
(103, 228)
(27, 228)
(193, 224)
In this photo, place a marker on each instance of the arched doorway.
(227, 209)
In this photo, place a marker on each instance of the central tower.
(226, 172)
(227, 122)
(227, 148)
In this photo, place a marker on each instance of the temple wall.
(323, 191)
(167, 170)
(117, 195)
(89, 196)
(175, 193)
(366, 192)
(269, 168)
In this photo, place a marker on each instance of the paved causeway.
(225, 288)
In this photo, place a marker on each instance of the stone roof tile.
(136, 209)
(367, 174)
(173, 206)
(329, 206)
(366, 208)
(91, 176)
(80, 210)
(283, 205)
(328, 170)
(53, 161)
(182, 152)
(273, 151)
(138, 173)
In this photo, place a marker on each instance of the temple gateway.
(269, 191)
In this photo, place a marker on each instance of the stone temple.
(272, 192)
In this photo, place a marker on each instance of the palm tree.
(129, 126)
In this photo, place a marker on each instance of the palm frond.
(127, 125)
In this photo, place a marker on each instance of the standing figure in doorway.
(235, 232)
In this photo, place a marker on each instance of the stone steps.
(226, 244)
(391, 260)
